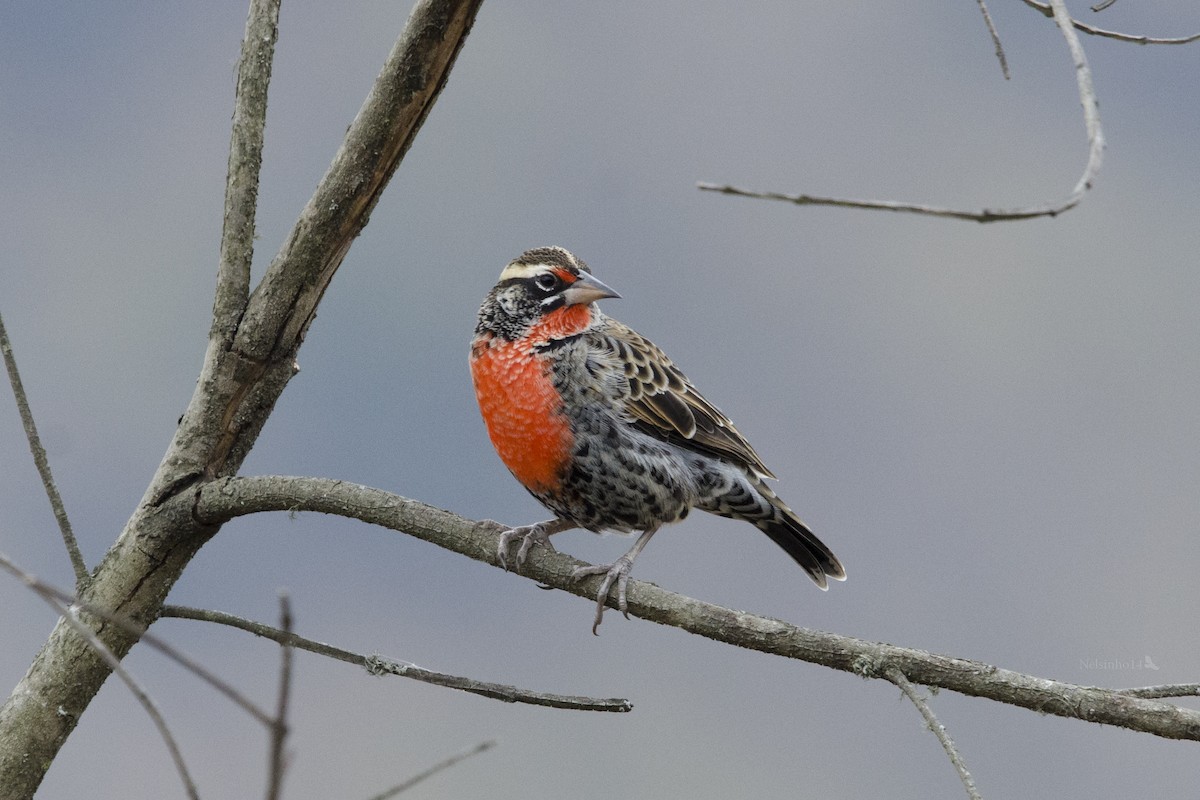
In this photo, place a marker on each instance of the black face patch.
(507, 311)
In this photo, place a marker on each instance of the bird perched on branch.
(598, 424)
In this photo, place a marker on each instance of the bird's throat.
(522, 411)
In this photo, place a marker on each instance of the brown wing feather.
(665, 404)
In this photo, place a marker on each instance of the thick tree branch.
(1095, 136)
(135, 688)
(42, 463)
(135, 629)
(235, 393)
(282, 307)
(231, 497)
(245, 163)
(378, 665)
(64, 605)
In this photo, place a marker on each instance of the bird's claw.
(617, 572)
(529, 536)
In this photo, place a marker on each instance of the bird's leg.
(538, 533)
(617, 571)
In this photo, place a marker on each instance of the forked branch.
(1133, 38)
(1095, 137)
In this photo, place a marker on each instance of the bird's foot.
(616, 572)
(538, 533)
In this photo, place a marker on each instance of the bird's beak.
(587, 289)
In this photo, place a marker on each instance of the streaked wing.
(665, 404)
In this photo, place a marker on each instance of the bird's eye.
(546, 282)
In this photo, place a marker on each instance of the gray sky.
(994, 427)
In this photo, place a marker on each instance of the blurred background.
(995, 427)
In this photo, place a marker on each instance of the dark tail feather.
(755, 502)
(803, 545)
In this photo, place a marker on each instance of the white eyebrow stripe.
(518, 270)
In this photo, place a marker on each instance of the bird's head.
(538, 284)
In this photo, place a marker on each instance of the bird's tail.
(747, 497)
(789, 532)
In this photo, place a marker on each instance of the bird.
(602, 428)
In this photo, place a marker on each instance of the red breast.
(520, 406)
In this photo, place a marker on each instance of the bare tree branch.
(279, 728)
(245, 162)
(142, 696)
(1047, 11)
(436, 768)
(1103, 5)
(136, 629)
(56, 600)
(1166, 690)
(991, 26)
(937, 728)
(239, 383)
(1095, 136)
(231, 497)
(284, 303)
(378, 665)
(43, 464)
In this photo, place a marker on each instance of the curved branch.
(1095, 136)
(378, 665)
(227, 498)
(1047, 11)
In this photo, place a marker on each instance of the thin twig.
(245, 162)
(279, 730)
(436, 768)
(114, 664)
(221, 500)
(1103, 5)
(133, 627)
(64, 605)
(378, 665)
(938, 729)
(1095, 136)
(1166, 690)
(991, 26)
(43, 464)
(984, 215)
(1047, 11)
